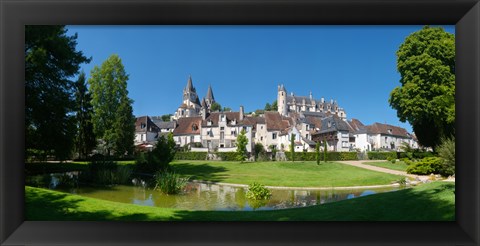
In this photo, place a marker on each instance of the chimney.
(322, 100)
(241, 113)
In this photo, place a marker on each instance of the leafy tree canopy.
(215, 107)
(85, 141)
(113, 118)
(426, 97)
(51, 60)
(166, 117)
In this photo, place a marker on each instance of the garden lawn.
(399, 165)
(292, 174)
(428, 202)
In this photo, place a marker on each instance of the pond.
(201, 196)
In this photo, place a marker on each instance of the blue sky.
(355, 65)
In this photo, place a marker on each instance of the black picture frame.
(465, 14)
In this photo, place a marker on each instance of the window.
(306, 136)
(194, 127)
(385, 139)
(307, 127)
(222, 128)
(261, 138)
(222, 136)
(274, 136)
(142, 125)
(344, 144)
(192, 139)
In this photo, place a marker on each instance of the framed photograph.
(284, 126)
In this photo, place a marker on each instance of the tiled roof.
(379, 128)
(275, 122)
(185, 126)
(333, 123)
(356, 126)
(165, 125)
(144, 124)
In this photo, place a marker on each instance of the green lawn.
(399, 165)
(293, 174)
(428, 202)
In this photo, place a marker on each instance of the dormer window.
(209, 122)
(194, 127)
(329, 124)
(143, 125)
(390, 131)
(222, 117)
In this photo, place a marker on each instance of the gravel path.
(378, 169)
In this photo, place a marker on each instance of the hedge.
(415, 155)
(381, 155)
(331, 156)
(191, 156)
(227, 156)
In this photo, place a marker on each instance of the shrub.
(374, 155)
(426, 166)
(273, 149)
(446, 151)
(257, 191)
(159, 158)
(169, 182)
(258, 149)
(331, 156)
(227, 156)
(191, 156)
(393, 161)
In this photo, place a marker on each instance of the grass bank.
(399, 165)
(429, 202)
(293, 174)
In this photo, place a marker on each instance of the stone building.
(297, 104)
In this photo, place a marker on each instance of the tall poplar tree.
(51, 61)
(113, 120)
(85, 140)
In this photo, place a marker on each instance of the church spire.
(210, 93)
(189, 84)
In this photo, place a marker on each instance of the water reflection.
(200, 196)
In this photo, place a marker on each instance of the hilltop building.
(297, 104)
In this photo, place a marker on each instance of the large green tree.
(51, 61)
(113, 120)
(85, 140)
(426, 97)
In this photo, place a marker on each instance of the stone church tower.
(282, 100)
(191, 104)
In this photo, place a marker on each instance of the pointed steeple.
(189, 84)
(210, 93)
